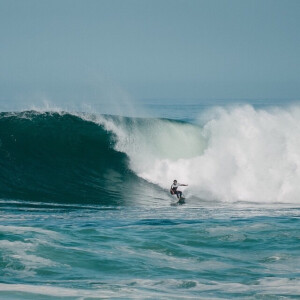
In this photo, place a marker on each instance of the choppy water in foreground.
(157, 252)
(86, 213)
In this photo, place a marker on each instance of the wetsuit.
(174, 188)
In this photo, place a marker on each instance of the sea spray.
(240, 153)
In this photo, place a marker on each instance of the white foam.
(18, 251)
(50, 290)
(173, 288)
(120, 290)
(25, 229)
(250, 155)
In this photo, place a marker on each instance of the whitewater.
(240, 154)
(86, 211)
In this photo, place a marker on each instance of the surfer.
(174, 187)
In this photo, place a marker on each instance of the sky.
(80, 50)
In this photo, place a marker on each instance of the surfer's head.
(175, 181)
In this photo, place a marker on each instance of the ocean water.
(86, 211)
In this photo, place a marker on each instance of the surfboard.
(178, 201)
(181, 200)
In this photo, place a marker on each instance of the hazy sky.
(70, 49)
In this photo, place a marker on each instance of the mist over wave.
(232, 154)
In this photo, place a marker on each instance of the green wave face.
(60, 158)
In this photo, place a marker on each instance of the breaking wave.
(232, 154)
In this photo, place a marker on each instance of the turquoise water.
(86, 212)
(154, 251)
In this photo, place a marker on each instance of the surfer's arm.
(183, 184)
